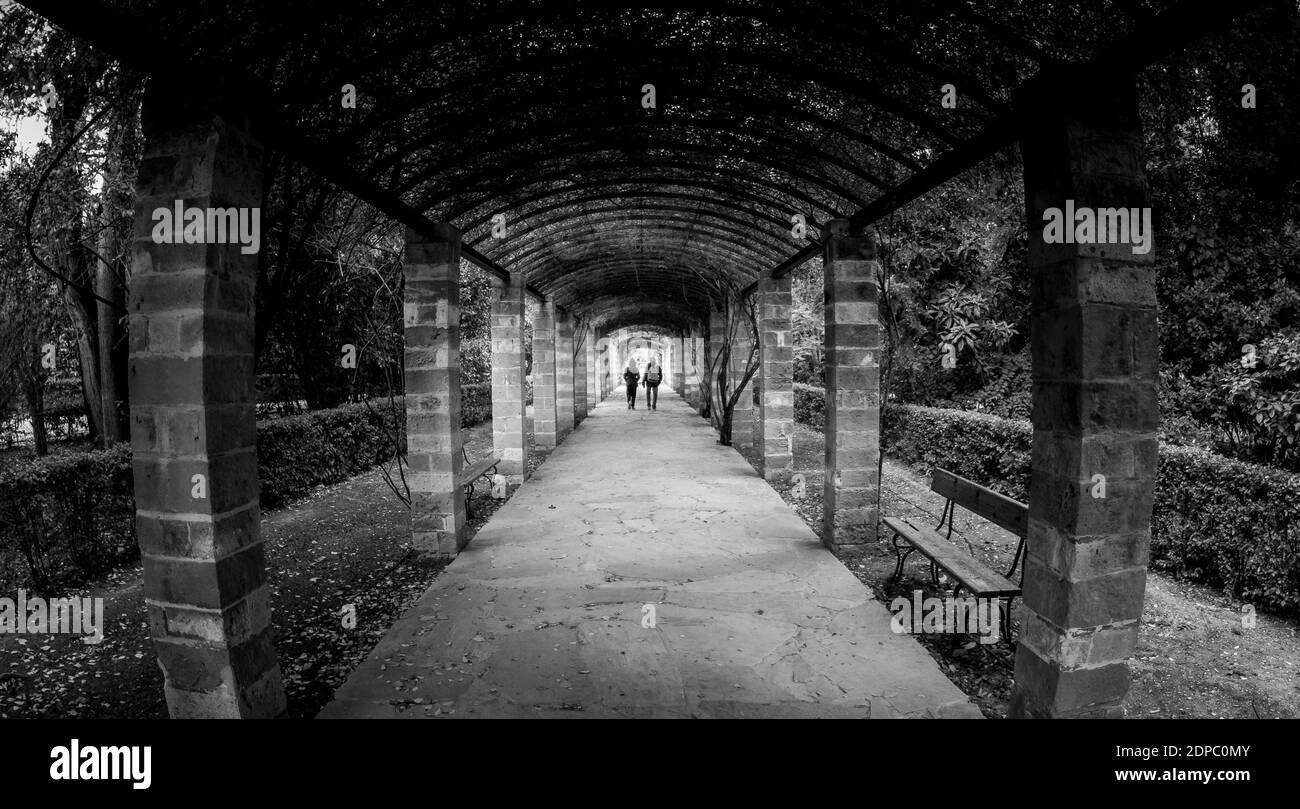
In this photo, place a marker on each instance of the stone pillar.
(544, 421)
(609, 361)
(669, 367)
(1095, 365)
(602, 366)
(593, 380)
(776, 368)
(742, 416)
(509, 406)
(852, 335)
(433, 440)
(694, 360)
(580, 343)
(564, 385)
(193, 431)
(712, 352)
(679, 372)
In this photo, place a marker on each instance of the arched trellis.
(641, 222)
(570, 208)
(585, 112)
(493, 205)
(1103, 120)
(883, 42)
(495, 176)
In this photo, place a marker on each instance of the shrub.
(298, 453)
(475, 404)
(989, 450)
(1228, 523)
(69, 517)
(810, 405)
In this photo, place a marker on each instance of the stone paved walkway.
(546, 612)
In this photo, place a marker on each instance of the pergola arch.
(584, 99)
(894, 49)
(490, 176)
(661, 181)
(640, 197)
(633, 220)
(489, 111)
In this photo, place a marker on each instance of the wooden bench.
(471, 473)
(968, 572)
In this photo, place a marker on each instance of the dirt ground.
(346, 544)
(1195, 657)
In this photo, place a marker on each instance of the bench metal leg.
(901, 557)
(1006, 619)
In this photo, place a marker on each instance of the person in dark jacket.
(654, 374)
(631, 376)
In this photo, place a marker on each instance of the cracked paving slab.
(545, 613)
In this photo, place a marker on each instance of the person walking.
(654, 374)
(631, 376)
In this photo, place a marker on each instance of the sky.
(32, 131)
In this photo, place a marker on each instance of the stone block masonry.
(431, 314)
(742, 415)
(775, 421)
(193, 431)
(852, 335)
(712, 354)
(581, 343)
(1095, 369)
(544, 414)
(509, 406)
(592, 359)
(565, 399)
(679, 365)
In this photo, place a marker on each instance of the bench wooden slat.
(972, 573)
(996, 508)
(476, 469)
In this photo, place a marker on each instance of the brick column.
(193, 431)
(433, 441)
(593, 378)
(610, 361)
(509, 407)
(694, 362)
(564, 386)
(1095, 363)
(713, 350)
(852, 493)
(776, 369)
(580, 343)
(602, 366)
(544, 422)
(742, 417)
(679, 368)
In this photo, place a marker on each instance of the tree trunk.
(112, 350)
(84, 323)
(124, 146)
(34, 394)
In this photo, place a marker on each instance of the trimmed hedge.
(1230, 524)
(475, 404)
(298, 453)
(72, 516)
(1216, 520)
(66, 515)
(810, 405)
(989, 450)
